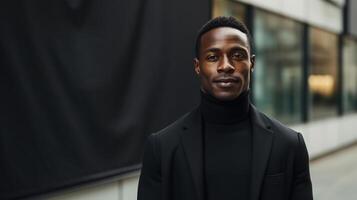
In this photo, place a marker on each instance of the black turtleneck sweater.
(227, 147)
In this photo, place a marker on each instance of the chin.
(226, 96)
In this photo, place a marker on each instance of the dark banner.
(83, 82)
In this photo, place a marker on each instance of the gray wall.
(352, 17)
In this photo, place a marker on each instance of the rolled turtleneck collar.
(224, 112)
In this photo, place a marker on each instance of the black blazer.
(172, 163)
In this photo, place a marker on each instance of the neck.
(224, 112)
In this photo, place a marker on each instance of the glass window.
(349, 75)
(229, 8)
(277, 78)
(322, 80)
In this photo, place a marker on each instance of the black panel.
(84, 82)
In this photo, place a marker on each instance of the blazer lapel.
(262, 142)
(191, 138)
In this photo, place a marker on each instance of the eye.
(212, 58)
(238, 55)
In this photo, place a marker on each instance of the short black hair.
(223, 21)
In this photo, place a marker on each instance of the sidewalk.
(335, 177)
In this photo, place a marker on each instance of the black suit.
(172, 164)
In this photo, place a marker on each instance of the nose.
(225, 66)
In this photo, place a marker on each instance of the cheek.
(205, 80)
(246, 73)
(207, 72)
(206, 76)
(244, 70)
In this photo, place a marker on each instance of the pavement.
(334, 177)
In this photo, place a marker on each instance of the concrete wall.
(113, 190)
(353, 17)
(314, 12)
(326, 135)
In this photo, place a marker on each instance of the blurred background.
(83, 83)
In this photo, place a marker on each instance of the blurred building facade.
(305, 75)
(306, 66)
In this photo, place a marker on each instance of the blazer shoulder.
(174, 127)
(281, 130)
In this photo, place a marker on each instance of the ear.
(252, 61)
(196, 64)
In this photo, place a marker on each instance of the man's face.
(224, 63)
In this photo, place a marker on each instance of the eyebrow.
(240, 48)
(217, 49)
(212, 50)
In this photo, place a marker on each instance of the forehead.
(219, 37)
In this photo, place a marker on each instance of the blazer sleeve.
(302, 187)
(150, 178)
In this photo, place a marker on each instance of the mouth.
(226, 82)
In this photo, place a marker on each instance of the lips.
(226, 82)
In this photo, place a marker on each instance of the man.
(225, 149)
